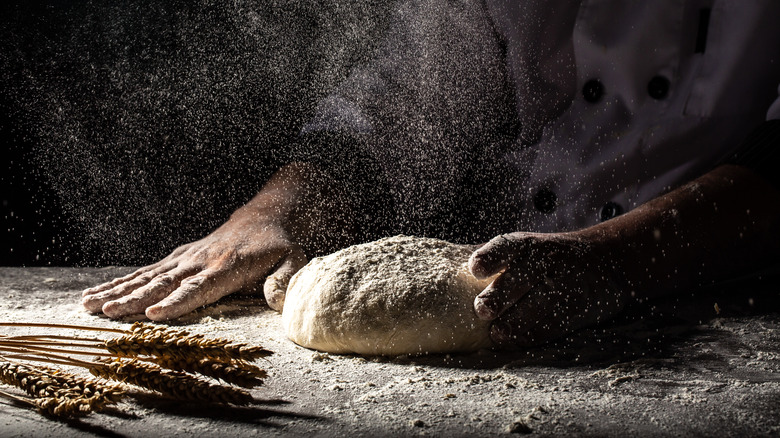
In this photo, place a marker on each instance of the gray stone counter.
(671, 368)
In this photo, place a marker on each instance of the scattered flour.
(703, 384)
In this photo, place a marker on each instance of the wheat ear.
(32, 382)
(145, 339)
(65, 407)
(58, 394)
(89, 388)
(172, 383)
(50, 405)
(237, 372)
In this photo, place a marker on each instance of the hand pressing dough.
(398, 295)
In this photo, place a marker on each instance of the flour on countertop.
(713, 378)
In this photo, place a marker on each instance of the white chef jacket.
(619, 101)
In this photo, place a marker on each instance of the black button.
(545, 200)
(610, 210)
(658, 87)
(592, 90)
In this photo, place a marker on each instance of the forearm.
(324, 203)
(308, 203)
(291, 190)
(724, 223)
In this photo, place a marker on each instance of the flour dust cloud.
(152, 121)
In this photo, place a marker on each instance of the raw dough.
(398, 295)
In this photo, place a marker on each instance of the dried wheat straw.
(60, 326)
(62, 347)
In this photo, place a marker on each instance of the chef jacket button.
(545, 200)
(658, 87)
(592, 90)
(610, 210)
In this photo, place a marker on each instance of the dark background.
(131, 127)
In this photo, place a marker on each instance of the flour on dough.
(398, 295)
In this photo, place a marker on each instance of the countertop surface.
(671, 367)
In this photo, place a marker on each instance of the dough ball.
(398, 295)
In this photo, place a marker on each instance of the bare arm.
(725, 223)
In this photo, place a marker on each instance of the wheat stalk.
(34, 383)
(53, 406)
(152, 357)
(57, 392)
(68, 407)
(87, 387)
(237, 372)
(34, 348)
(61, 326)
(234, 371)
(172, 383)
(145, 339)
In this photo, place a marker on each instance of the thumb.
(494, 256)
(275, 286)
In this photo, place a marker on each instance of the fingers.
(94, 302)
(198, 290)
(505, 253)
(167, 261)
(501, 294)
(494, 256)
(117, 281)
(538, 318)
(275, 287)
(549, 311)
(145, 296)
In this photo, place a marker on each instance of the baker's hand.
(549, 285)
(237, 256)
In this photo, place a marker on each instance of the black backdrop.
(130, 127)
